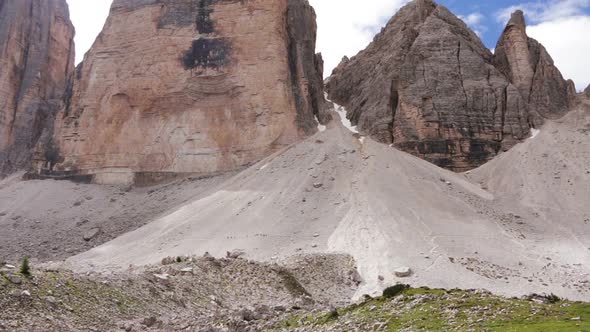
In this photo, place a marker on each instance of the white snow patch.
(321, 127)
(263, 167)
(534, 132)
(342, 112)
(362, 139)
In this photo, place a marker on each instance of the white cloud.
(475, 21)
(88, 18)
(568, 43)
(346, 27)
(473, 18)
(542, 11)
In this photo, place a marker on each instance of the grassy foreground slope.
(423, 309)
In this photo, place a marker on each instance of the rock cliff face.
(531, 69)
(189, 86)
(428, 85)
(36, 58)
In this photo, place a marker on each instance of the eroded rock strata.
(36, 58)
(428, 85)
(531, 69)
(189, 86)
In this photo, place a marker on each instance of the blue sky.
(347, 26)
(486, 12)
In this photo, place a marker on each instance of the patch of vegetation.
(423, 309)
(292, 284)
(25, 268)
(395, 290)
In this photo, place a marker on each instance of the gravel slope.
(337, 193)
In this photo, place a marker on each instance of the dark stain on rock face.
(204, 22)
(182, 13)
(207, 53)
(177, 13)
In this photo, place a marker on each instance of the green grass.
(422, 309)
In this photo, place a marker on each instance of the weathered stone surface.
(36, 58)
(587, 91)
(91, 234)
(531, 69)
(428, 85)
(189, 86)
(403, 272)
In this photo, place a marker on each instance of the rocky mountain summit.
(428, 85)
(36, 59)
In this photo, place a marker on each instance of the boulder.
(403, 272)
(235, 254)
(37, 57)
(172, 88)
(91, 234)
(14, 279)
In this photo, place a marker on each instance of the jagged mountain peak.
(429, 85)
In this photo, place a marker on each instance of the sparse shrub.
(25, 268)
(333, 314)
(178, 259)
(552, 298)
(393, 291)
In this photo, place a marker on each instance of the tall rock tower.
(530, 68)
(36, 59)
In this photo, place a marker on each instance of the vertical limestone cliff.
(189, 86)
(36, 58)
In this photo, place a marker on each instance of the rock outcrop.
(189, 86)
(531, 69)
(36, 58)
(587, 91)
(428, 85)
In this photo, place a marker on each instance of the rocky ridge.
(36, 57)
(428, 85)
(175, 87)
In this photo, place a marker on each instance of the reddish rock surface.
(428, 85)
(531, 69)
(189, 86)
(36, 58)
